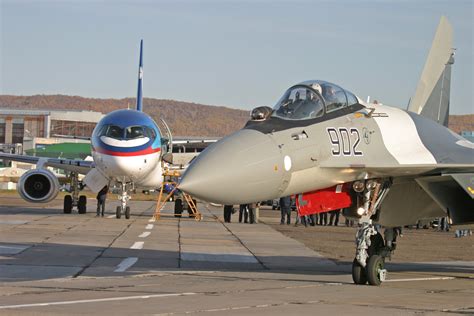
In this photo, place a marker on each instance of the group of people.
(247, 213)
(312, 220)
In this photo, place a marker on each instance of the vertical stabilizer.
(432, 94)
(140, 80)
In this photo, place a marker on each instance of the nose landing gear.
(123, 208)
(371, 247)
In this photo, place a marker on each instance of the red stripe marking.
(145, 151)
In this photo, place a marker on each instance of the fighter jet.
(383, 165)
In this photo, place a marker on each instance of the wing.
(79, 166)
(193, 141)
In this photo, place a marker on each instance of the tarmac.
(54, 263)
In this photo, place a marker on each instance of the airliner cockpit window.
(133, 132)
(299, 103)
(113, 131)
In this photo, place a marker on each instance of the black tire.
(82, 205)
(178, 207)
(376, 245)
(358, 273)
(67, 204)
(127, 212)
(118, 212)
(374, 265)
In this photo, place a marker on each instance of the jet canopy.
(312, 99)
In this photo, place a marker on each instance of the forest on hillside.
(184, 118)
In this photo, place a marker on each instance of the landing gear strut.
(74, 200)
(371, 247)
(123, 208)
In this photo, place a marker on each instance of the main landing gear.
(123, 208)
(371, 247)
(74, 200)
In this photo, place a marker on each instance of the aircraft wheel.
(178, 207)
(118, 212)
(374, 269)
(358, 273)
(82, 204)
(67, 204)
(127, 212)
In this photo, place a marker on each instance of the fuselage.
(310, 142)
(126, 147)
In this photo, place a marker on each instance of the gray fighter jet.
(382, 164)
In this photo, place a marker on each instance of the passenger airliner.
(127, 150)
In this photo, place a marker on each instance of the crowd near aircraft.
(383, 165)
(128, 150)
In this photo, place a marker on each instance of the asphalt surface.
(53, 263)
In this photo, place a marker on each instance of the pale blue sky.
(239, 54)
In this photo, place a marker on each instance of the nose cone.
(244, 167)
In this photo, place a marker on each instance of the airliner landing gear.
(74, 200)
(371, 247)
(123, 208)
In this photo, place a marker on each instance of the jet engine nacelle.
(38, 186)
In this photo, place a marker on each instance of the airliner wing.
(79, 166)
(193, 141)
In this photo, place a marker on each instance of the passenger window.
(334, 96)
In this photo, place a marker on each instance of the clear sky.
(239, 54)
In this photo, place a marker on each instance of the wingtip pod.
(432, 94)
(140, 80)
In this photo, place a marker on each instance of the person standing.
(101, 197)
(228, 209)
(334, 217)
(243, 213)
(285, 208)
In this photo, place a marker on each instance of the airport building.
(32, 128)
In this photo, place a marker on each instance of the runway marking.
(97, 300)
(137, 245)
(111, 216)
(149, 226)
(144, 234)
(126, 263)
(421, 279)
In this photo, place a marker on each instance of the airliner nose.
(244, 167)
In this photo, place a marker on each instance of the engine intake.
(38, 186)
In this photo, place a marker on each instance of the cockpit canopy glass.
(334, 96)
(299, 103)
(131, 132)
(311, 99)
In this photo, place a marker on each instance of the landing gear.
(67, 204)
(74, 200)
(124, 197)
(82, 204)
(372, 248)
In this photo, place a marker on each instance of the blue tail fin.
(140, 80)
